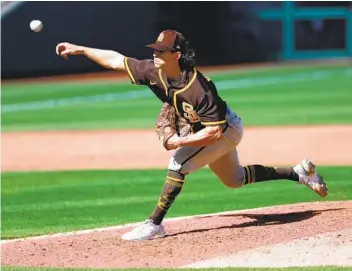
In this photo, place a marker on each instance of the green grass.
(323, 100)
(318, 268)
(29, 92)
(36, 203)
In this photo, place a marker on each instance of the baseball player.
(216, 129)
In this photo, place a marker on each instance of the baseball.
(36, 25)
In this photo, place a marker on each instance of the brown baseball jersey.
(195, 97)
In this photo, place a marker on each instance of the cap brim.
(158, 47)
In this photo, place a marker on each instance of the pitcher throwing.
(215, 133)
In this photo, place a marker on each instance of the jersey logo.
(189, 112)
(152, 83)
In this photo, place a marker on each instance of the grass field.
(38, 203)
(304, 94)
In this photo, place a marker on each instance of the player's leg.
(232, 174)
(229, 171)
(184, 161)
(152, 227)
(261, 173)
(172, 188)
(303, 173)
(189, 159)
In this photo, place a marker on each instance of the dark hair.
(188, 58)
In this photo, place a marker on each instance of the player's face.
(163, 58)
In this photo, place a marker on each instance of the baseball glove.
(169, 123)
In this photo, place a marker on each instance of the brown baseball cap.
(169, 40)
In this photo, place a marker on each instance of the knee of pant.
(175, 166)
(237, 180)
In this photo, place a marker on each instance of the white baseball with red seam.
(36, 25)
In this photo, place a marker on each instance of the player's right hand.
(66, 49)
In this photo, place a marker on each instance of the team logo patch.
(161, 37)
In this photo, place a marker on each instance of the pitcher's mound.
(210, 240)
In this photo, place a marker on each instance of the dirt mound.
(332, 248)
(188, 241)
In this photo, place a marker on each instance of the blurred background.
(227, 32)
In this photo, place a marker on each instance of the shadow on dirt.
(262, 220)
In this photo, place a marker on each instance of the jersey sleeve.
(211, 111)
(141, 72)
